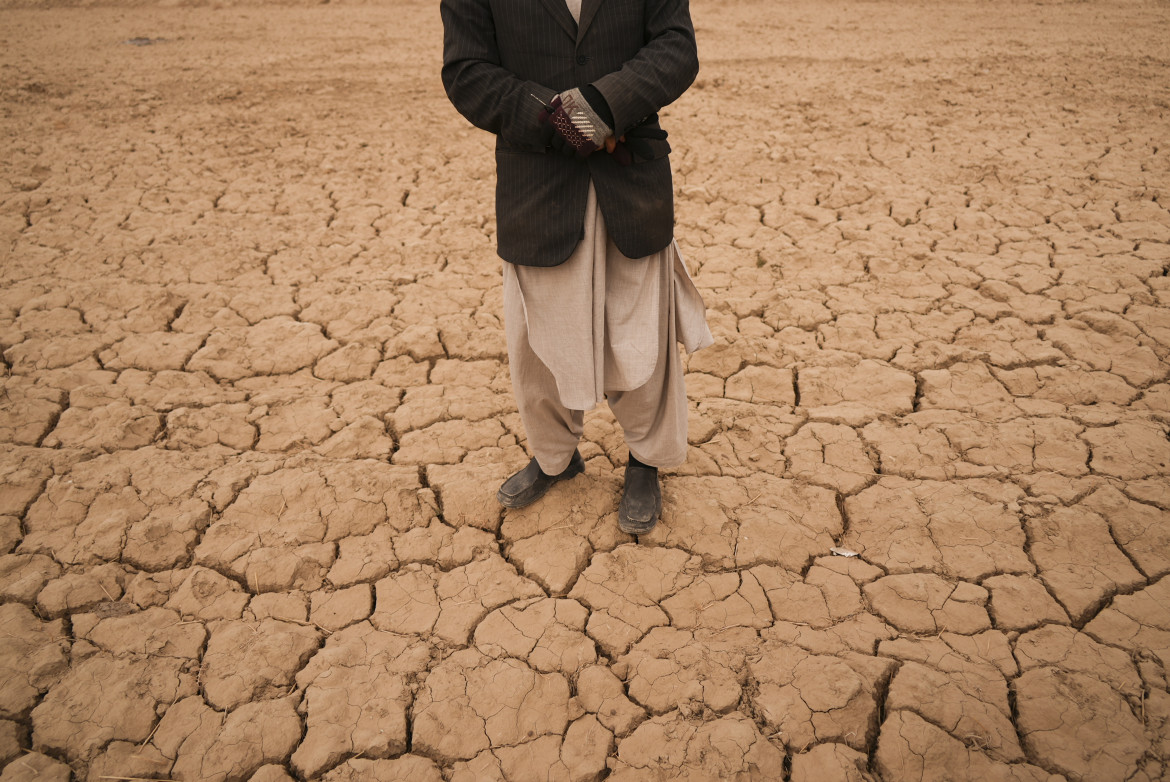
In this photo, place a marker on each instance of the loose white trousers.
(603, 326)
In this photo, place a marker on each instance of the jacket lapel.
(560, 12)
(588, 11)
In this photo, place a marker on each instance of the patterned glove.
(577, 122)
(555, 142)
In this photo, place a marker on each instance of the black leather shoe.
(641, 500)
(531, 483)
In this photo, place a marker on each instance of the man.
(595, 292)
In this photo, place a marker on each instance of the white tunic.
(596, 320)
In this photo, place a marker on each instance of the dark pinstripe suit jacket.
(640, 54)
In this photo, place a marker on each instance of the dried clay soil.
(256, 406)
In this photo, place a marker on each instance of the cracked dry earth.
(256, 407)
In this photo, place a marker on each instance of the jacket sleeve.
(490, 96)
(660, 72)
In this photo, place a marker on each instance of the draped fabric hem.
(596, 320)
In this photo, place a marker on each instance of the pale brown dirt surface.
(256, 407)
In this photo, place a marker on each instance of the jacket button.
(582, 59)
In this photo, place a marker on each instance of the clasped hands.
(573, 126)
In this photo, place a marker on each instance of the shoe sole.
(632, 527)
